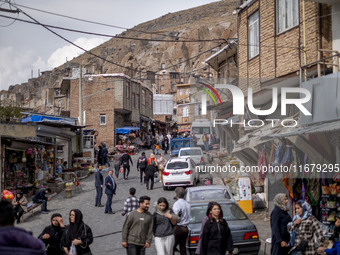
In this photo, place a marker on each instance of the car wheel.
(165, 188)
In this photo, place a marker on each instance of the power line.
(111, 36)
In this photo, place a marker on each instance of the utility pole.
(81, 109)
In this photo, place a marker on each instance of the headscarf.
(16, 196)
(74, 227)
(279, 201)
(57, 228)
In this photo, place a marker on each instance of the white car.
(180, 172)
(194, 153)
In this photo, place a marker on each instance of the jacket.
(23, 203)
(216, 238)
(137, 228)
(85, 235)
(162, 226)
(279, 220)
(99, 179)
(110, 189)
(142, 162)
(39, 196)
(18, 241)
(150, 170)
(126, 158)
(53, 244)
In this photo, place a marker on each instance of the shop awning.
(49, 119)
(125, 130)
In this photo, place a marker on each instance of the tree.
(8, 112)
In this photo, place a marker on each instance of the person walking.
(126, 159)
(194, 138)
(216, 235)
(105, 153)
(182, 209)
(279, 219)
(166, 144)
(137, 229)
(77, 235)
(52, 235)
(19, 204)
(99, 182)
(131, 203)
(117, 162)
(306, 234)
(206, 141)
(15, 240)
(161, 162)
(150, 174)
(100, 154)
(152, 158)
(153, 144)
(110, 190)
(164, 220)
(141, 166)
(40, 198)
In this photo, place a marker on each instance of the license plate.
(175, 173)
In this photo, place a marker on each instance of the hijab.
(56, 228)
(75, 227)
(18, 198)
(279, 201)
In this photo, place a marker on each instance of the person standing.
(40, 198)
(131, 203)
(15, 240)
(105, 153)
(206, 141)
(99, 182)
(77, 235)
(19, 204)
(164, 220)
(52, 235)
(194, 138)
(137, 229)
(216, 235)
(166, 144)
(279, 219)
(141, 166)
(110, 190)
(150, 174)
(117, 161)
(182, 209)
(100, 154)
(126, 159)
(153, 144)
(161, 162)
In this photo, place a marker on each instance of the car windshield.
(201, 130)
(209, 195)
(190, 152)
(177, 165)
(230, 212)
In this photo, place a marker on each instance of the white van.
(201, 126)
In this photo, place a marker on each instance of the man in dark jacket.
(99, 181)
(40, 198)
(105, 152)
(165, 144)
(110, 190)
(141, 166)
(153, 144)
(150, 174)
(126, 158)
(16, 240)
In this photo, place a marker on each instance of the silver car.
(208, 193)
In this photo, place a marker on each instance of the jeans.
(126, 167)
(206, 146)
(164, 245)
(133, 249)
(99, 195)
(108, 207)
(295, 252)
(117, 169)
(18, 212)
(149, 177)
(142, 178)
(181, 234)
(157, 150)
(43, 203)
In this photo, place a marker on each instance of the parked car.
(245, 236)
(180, 172)
(195, 153)
(208, 193)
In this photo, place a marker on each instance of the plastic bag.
(121, 170)
(73, 250)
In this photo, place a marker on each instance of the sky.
(25, 47)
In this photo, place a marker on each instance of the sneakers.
(44, 212)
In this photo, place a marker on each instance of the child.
(157, 148)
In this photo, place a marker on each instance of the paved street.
(107, 228)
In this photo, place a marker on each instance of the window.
(197, 110)
(143, 97)
(137, 102)
(133, 100)
(102, 119)
(174, 75)
(186, 91)
(162, 87)
(163, 66)
(180, 92)
(287, 14)
(185, 111)
(128, 90)
(253, 36)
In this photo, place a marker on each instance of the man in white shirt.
(182, 209)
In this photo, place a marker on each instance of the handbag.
(302, 246)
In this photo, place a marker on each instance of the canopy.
(125, 130)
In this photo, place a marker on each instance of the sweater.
(137, 228)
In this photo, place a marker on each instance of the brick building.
(109, 101)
